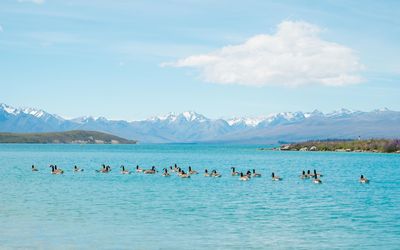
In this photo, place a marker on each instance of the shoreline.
(390, 146)
(330, 151)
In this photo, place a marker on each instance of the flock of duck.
(315, 176)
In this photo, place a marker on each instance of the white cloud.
(295, 55)
(32, 1)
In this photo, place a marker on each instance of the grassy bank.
(372, 145)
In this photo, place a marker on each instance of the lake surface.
(113, 211)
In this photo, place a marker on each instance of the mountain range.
(190, 127)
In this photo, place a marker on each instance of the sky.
(135, 59)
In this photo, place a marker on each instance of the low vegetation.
(372, 145)
(68, 137)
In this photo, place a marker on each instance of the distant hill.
(190, 127)
(68, 137)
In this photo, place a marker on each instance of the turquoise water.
(113, 211)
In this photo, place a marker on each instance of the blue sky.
(135, 59)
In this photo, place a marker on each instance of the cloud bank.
(295, 55)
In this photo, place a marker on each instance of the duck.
(34, 169)
(150, 171)
(206, 174)
(308, 175)
(183, 174)
(303, 175)
(192, 171)
(256, 174)
(214, 173)
(363, 179)
(123, 171)
(138, 169)
(107, 169)
(317, 174)
(243, 177)
(165, 174)
(58, 170)
(275, 177)
(171, 169)
(76, 169)
(55, 170)
(234, 173)
(317, 180)
(248, 173)
(102, 169)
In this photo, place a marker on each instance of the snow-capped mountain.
(193, 127)
(28, 111)
(245, 121)
(188, 116)
(28, 120)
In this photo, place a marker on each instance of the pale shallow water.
(113, 211)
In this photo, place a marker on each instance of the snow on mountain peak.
(340, 112)
(189, 116)
(193, 116)
(82, 119)
(170, 116)
(271, 118)
(7, 108)
(86, 119)
(35, 112)
(248, 121)
(316, 112)
(29, 111)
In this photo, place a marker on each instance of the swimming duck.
(183, 174)
(308, 175)
(316, 180)
(256, 174)
(303, 175)
(166, 172)
(138, 169)
(105, 169)
(150, 171)
(76, 169)
(243, 177)
(55, 170)
(214, 173)
(108, 169)
(275, 177)
(123, 171)
(363, 179)
(102, 169)
(34, 169)
(317, 174)
(234, 173)
(248, 173)
(206, 174)
(58, 170)
(192, 171)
